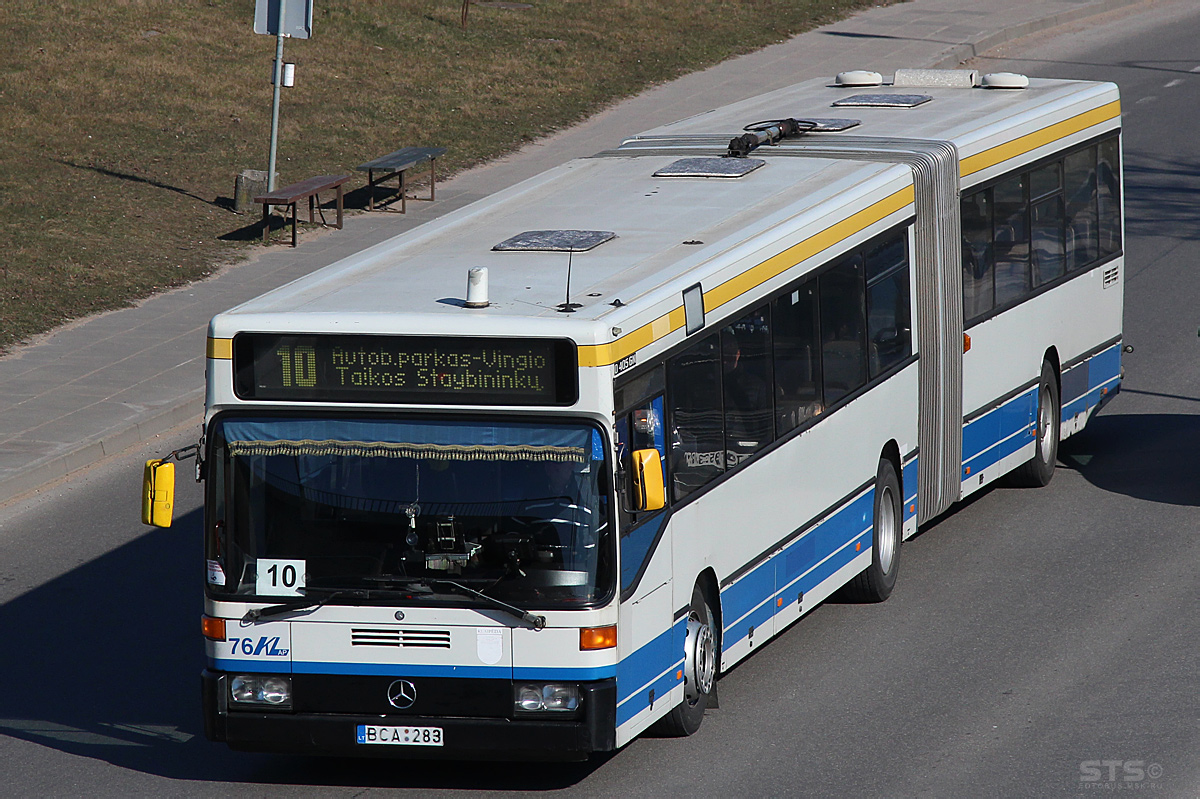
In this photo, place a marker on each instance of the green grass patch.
(124, 122)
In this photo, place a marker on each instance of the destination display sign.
(442, 370)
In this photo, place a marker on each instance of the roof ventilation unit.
(477, 287)
(936, 78)
(1005, 80)
(858, 77)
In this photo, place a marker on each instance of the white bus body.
(791, 340)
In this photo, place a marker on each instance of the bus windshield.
(517, 510)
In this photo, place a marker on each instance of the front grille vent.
(1110, 276)
(422, 639)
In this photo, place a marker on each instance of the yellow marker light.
(912, 508)
(679, 674)
(598, 637)
(966, 343)
(213, 629)
(858, 547)
(779, 602)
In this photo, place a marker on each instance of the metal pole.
(275, 99)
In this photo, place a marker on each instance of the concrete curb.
(964, 52)
(191, 406)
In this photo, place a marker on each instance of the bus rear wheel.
(1039, 470)
(700, 658)
(875, 583)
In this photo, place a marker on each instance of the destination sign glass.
(441, 370)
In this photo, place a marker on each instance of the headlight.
(549, 697)
(256, 689)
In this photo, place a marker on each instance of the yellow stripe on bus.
(647, 334)
(1031, 141)
(220, 349)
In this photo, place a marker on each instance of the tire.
(1039, 470)
(875, 583)
(700, 663)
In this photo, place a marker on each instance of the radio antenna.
(568, 306)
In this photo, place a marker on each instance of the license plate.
(399, 736)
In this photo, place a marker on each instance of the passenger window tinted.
(1083, 235)
(746, 355)
(978, 292)
(697, 439)
(797, 357)
(1107, 171)
(843, 330)
(1048, 254)
(888, 329)
(1011, 239)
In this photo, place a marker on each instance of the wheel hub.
(700, 661)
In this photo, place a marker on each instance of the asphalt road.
(1039, 643)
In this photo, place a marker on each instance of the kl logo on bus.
(267, 646)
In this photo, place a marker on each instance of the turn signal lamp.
(213, 629)
(598, 637)
(966, 343)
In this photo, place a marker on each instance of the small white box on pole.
(289, 75)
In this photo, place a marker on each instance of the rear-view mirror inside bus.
(158, 493)
(649, 491)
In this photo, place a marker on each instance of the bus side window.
(978, 290)
(697, 435)
(843, 329)
(1083, 232)
(1108, 171)
(1047, 213)
(889, 331)
(747, 382)
(797, 357)
(1012, 239)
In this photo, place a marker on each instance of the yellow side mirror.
(649, 491)
(158, 493)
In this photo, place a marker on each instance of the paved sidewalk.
(98, 386)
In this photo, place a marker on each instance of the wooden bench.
(395, 165)
(290, 195)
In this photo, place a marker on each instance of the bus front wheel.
(699, 668)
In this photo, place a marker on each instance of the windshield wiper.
(303, 603)
(538, 622)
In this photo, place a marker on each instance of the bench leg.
(294, 224)
(432, 179)
(266, 222)
(370, 189)
(312, 200)
(403, 192)
(339, 206)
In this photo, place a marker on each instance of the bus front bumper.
(462, 738)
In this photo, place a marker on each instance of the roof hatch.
(882, 101)
(709, 168)
(555, 241)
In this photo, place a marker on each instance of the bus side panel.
(1001, 371)
(746, 527)
(650, 646)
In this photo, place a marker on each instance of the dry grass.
(124, 122)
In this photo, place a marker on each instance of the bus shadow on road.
(108, 667)
(1145, 456)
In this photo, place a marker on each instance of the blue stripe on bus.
(751, 601)
(909, 480)
(651, 667)
(998, 433)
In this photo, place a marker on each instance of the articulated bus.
(524, 481)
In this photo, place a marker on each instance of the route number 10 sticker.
(278, 577)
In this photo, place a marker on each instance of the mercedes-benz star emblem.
(402, 694)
